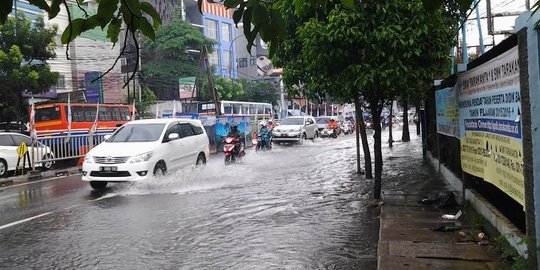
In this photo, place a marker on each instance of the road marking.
(40, 181)
(23, 220)
(106, 196)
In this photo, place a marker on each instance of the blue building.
(216, 22)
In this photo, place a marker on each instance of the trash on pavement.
(440, 199)
(452, 217)
(445, 228)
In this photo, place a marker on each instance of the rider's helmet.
(234, 126)
(263, 123)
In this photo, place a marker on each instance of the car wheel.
(160, 169)
(303, 139)
(3, 168)
(48, 164)
(98, 185)
(201, 160)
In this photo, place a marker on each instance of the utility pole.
(464, 34)
(282, 98)
(213, 90)
(482, 48)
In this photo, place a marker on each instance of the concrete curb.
(39, 175)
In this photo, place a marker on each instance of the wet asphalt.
(295, 207)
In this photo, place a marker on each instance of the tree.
(228, 89)
(24, 49)
(259, 92)
(264, 18)
(174, 54)
(148, 98)
(372, 50)
(260, 17)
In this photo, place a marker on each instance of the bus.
(53, 116)
(256, 110)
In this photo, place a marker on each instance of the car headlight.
(88, 159)
(141, 157)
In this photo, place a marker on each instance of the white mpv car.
(143, 148)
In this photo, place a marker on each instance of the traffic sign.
(22, 149)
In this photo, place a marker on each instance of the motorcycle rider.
(234, 132)
(332, 125)
(270, 125)
(263, 133)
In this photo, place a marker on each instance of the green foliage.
(148, 98)
(228, 89)
(133, 13)
(264, 18)
(169, 58)
(259, 92)
(23, 59)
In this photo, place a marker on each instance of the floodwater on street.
(295, 207)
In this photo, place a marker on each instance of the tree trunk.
(376, 114)
(365, 145)
(418, 118)
(357, 108)
(390, 137)
(406, 136)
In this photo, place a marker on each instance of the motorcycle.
(347, 129)
(329, 132)
(264, 142)
(232, 154)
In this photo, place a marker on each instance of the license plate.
(108, 169)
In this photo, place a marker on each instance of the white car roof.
(163, 121)
(13, 133)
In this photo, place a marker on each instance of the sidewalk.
(38, 175)
(406, 238)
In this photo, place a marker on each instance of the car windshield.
(293, 121)
(137, 133)
(323, 120)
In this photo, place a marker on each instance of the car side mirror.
(173, 136)
(106, 137)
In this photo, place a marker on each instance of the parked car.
(142, 149)
(16, 127)
(8, 152)
(295, 129)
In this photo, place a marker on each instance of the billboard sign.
(446, 105)
(490, 123)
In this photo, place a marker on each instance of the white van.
(143, 148)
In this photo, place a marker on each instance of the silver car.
(296, 129)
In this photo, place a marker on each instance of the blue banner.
(93, 88)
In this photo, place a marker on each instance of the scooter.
(264, 142)
(346, 128)
(231, 153)
(329, 132)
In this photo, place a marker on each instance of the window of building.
(227, 61)
(252, 61)
(242, 62)
(226, 32)
(61, 84)
(211, 28)
(213, 59)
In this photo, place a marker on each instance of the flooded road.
(295, 207)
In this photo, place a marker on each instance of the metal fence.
(53, 147)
